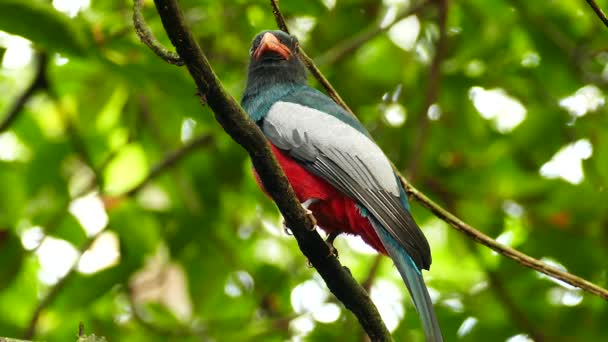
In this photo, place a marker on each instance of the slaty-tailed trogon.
(333, 164)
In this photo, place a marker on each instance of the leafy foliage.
(200, 253)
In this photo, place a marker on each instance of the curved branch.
(485, 240)
(598, 11)
(39, 82)
(245, 132)
(147, 37)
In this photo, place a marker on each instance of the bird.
(335, 168)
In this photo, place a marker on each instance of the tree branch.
(372, 273)
(170, 160)
(245, 132)
(148, 38)
(508, 252)
(431, 92)
(39, 82)
(349, 46)
(485, 240)
(598, 11)
(55, 289)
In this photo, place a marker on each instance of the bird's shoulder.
(312, 98)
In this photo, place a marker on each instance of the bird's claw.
(311, 217)
(333, 251)
(308, 212)
(330, 244)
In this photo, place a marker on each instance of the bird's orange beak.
(271, 43)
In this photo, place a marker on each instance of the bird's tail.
(413, 280)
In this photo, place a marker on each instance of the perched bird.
(334, 166)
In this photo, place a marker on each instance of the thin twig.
(349, 46)
(372, 273)
(170, 160)
(433, 84)
(184, 186)
(165, 164)
(483, 239)
(517, 315)
(147, 37)
(245, 132)
(310, 64)
(278, 16)
(39, 82)
(502, 294)
(508, 252)
(56, 288)
(598, 11)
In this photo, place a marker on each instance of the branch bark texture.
(598, 11)
(245, 132)
(503, 250)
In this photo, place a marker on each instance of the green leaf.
(10, 249)
(138, 233)
(71, 231)
(43, 25)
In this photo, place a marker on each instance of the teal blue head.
(274, 58)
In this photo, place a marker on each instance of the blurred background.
(126, 207)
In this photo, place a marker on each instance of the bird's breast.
(334, 212)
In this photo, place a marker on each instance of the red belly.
(335, 212)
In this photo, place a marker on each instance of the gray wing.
(350, 161)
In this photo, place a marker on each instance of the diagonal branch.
(485, 240)
(245, 132)
(598, 11)
(39, 82)
(55, 289)
(503, 250)
(170, 160)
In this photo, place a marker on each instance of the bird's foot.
(309, 213)
(307, 204)
(330, 244)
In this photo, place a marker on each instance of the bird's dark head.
(274, 58)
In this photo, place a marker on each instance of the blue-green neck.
(258, 100)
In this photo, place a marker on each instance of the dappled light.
(567, 163)
(496, 105)
(388, 298)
